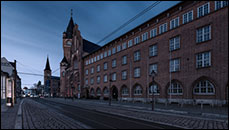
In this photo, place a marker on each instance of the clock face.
(69, 43)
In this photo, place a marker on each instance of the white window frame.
(138, 89)
(92, 70)
(203, 13)
(113, 50)
(137, 72)
(173, 65)
(101, 56)
(199, 87)
(105, 78)
(92, 81)
(137, 55)
(221, 4)
(163, 28)
(124, 46)
(153, 67)
(177, 88)
(130, 43)
(118, 48)
(98, 68)
(153, 88)
(174, 23)
(144, 36)
(105, 54)
(113, 77)
(153, 33)
(125, 91)
(153, 50)
(174, 43)
(105, 66)
(203, 60)
(136, 40)
(124, 75)
(187, 16)
(86, 72)
(109, 52)
(114, 63)
(124, 59)
(203, 34)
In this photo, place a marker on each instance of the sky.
(33, 30)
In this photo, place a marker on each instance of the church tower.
(47, 74)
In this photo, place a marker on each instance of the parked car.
(31, 95)
(23, 95)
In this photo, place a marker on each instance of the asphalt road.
(99, 120)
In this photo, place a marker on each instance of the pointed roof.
(47, 67)
(89, 46)
(70, 27)
(64, 60)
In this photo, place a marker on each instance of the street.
(99, 120)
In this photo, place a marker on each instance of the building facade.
(51, 83)
(186, 45)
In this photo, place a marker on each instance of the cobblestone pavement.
(8, 115)
(183, 121)
(38, 116)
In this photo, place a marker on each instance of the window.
(124, 74)
(125, 91)
(203, 10)
(105, 78)
(137, 40)
(137, 72)
(124, 46)
(109, 52)
(155, 89)
(98, 57)
(113, 77)
(174, 65)
(174, 43)
(153, 33)
(153, 67)
(175, 89)
(137, 56)
(105, 66)
(113, 63)
(105, 54)
(92, 70)
(98, 68)
(153, 50)
(138, 90)
(92, 81)
(87, 62)
(86, 72)
(203, 34)
(129, 43)
(162, 28)
(98, 79)
(92, 92)
(92, 60)
(174, 23)
(114, 50)
(220, 4)
(203, 60)
(63, 73)
(204, 87)
(105, 91)
(75, 64)
(144, 36)
(95, 58)
(86, 81)
(187, 17)
(101, 56)
(118, 48)
(124, 60)
(98, 92)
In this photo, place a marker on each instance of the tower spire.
(47, 67)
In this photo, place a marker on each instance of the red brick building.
(186, 45)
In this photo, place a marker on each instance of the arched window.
(175, 89)
(105, 91)
(138, 90)
(125, 91)
(154, 88)
(75, 64)
(204, 87)
(98, 91)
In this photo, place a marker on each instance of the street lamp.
(110, 90)
(153, 74)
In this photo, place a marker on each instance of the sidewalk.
(8, 115)
(181, 120)
(207, 111)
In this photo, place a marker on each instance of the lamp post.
(153, 74)
(110, 90)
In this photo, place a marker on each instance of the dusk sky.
(32, 30)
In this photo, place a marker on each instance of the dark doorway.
(87, 93)
(114, 93)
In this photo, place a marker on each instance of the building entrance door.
(115, 93)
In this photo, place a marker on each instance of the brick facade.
(187, 77)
